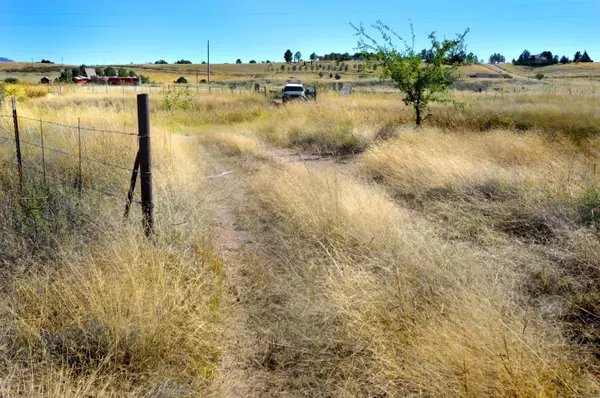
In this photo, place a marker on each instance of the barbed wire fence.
(60, 153)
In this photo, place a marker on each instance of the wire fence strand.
(29, 166)
(77, 127)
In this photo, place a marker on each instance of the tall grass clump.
(89, 305)
(415, 314)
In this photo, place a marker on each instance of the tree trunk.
(418, 112)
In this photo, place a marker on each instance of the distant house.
(80, 80)
(539, 59)
(90, 72)
(45, 80)
(123, 80)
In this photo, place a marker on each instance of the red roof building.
(130, 80)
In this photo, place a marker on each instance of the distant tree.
(45, 61)
(282, 68)
(203, 81)
(338, 76)
(421, 82)
(267, 62)
(564, 60)
(585, 57)
(110, 71)
(539, 76)
(11, 80)
(331, 75)
(144, 79)
(497, 58)
(321, 74)
(181, 80)
(183, 61)
(131, 73)
(294, 67)
(313, 57)
(312, 67)
(577, 57)
(346, 67)
(121, 72)
(252, 61)
(288, 56)
(524, 59)
(203, 62)
(74, 72)
(100, 71)
(161, 62)
(238, 61)
(297, 56)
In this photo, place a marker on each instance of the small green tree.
(110, 71)
(238, 61)
(313, 57)
(181, 80)
(564, 60)
(539, 76)
(294, 67)
(282, 68)
(161, 62)
(100, 71)
(122, 72)
(144, 79)
(11, 80)
(298, 56)
(421, 82)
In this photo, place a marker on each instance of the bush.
(11, 80)
(97, 80)
(539, 76)
(507, 76)
(338, 76)
(181, 80)
(203, 81)
(145, 79)
(252, 61)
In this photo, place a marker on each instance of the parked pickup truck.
(293, 91)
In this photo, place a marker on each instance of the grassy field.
(580, 71)
(167, 74)
(313, 249)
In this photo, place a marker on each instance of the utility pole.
(208, 50)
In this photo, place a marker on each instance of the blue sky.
(144, 31)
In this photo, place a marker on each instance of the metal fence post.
(43, 151)
(145, 163)
(80, 179)
(17, 141)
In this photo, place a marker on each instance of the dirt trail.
(260, 322)
(498, 69)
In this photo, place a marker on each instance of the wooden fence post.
(145, 163)
(17, 141)
(134, 174)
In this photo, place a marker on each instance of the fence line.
(142, 160)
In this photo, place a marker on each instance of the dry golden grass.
(415, 314)
(459, 259)
(89, 305)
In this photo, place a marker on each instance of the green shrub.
(589, 206)
(11, 80)
(507, 76)
(181, 80)
(539, 76)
